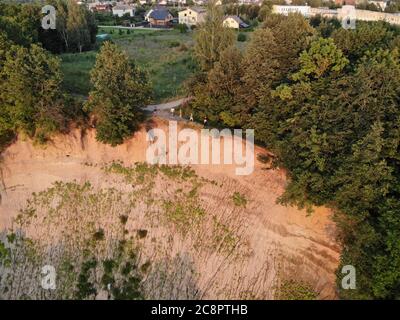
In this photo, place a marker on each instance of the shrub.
(183, 28)
(173, 44)
(239, 199)
(241, 37)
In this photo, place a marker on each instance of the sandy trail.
(302, 245)
(167, 105)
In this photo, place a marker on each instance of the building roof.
(159, 14)
(123, 7)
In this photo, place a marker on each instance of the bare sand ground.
(288, 240)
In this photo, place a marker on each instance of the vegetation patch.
(239, 199)
(295, 290)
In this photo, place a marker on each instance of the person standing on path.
(191, 117)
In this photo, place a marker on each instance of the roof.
(159, 14)
(196, 9)
(123, 7)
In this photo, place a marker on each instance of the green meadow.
(164, 54)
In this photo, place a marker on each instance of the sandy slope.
(294, 242)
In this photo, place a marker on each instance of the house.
(176, 2)
(100, 7)
(160, 18)
(122, 9)
(234, 22)
(285, 10)
(200, 2)
(192, 16)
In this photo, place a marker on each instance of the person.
(205, 121)
(151, 136)
(191, 117)
(172, 111)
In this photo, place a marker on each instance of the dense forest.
(32, 99)
(325, 100)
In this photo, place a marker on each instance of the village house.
(100, 7)
(234, 22)
(159, 18)
(123, 9)
(285, 10)
(176, 2)
(192, 16)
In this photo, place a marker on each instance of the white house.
(285, 10)
(234, 22)
(176, 2)
(192, 16)
(123, 9)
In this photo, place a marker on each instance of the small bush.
(173, 44)
(182, 47)
(241, 37)
(239, 199)
(181, 27)
(295, 290)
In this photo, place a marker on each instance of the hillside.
(200, 232)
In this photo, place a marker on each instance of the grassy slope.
(159, 52)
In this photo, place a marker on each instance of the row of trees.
(326, 101)
(31, 101)
(31, 98)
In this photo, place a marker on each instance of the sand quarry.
(267, 241)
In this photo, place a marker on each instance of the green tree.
(211, 37)
(322, 56)
(30, 94)
(77, 27)
(217, 99)
(120, 92)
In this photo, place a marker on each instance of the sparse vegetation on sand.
(295, 290)
(117, 242)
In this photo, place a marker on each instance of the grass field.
(164, 54)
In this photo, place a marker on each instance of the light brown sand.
(286, 239)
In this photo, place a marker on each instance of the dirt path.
(167, 105)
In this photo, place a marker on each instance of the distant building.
(100, 7)
(176, 2)
(123, 9)
(234, 22)
(192, 16)
(200, 2)
(254, 2)
(285, 10)
(346, 2)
